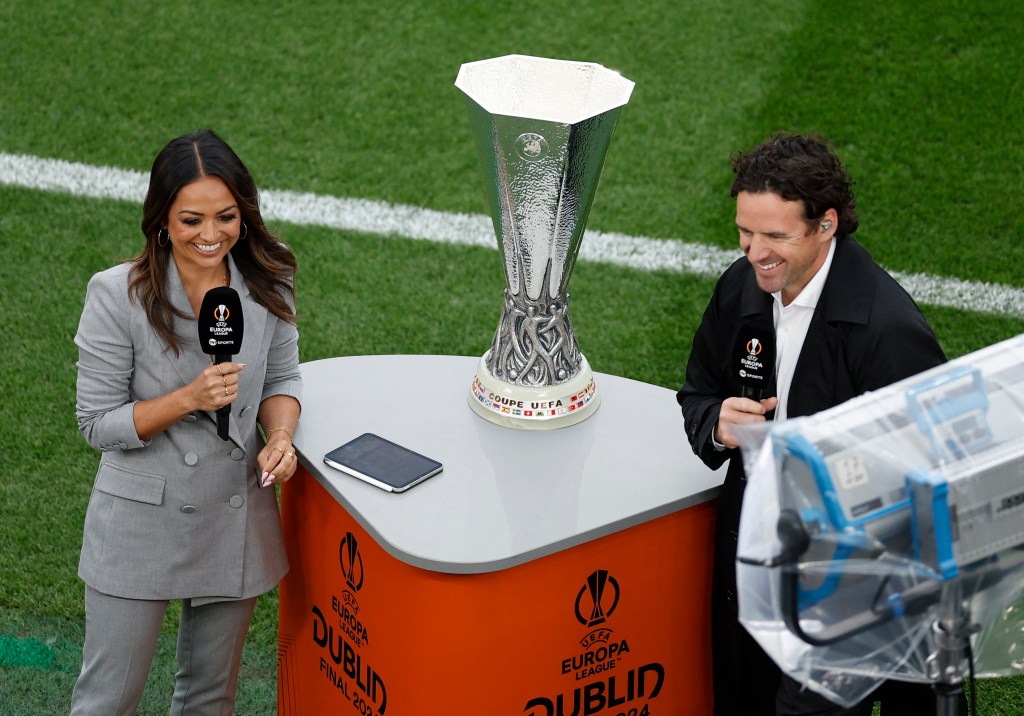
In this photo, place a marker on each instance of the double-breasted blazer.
(181, 515)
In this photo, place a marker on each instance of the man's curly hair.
(799, 167)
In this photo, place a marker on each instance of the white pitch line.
(376, 217)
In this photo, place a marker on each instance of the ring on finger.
(219, 369)
(289, 453)
(277, 449)
(226, 391)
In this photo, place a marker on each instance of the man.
(842, 327)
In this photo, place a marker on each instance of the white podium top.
(506, 496)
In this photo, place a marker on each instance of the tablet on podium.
(382, 463)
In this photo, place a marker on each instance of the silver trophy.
(542, 128)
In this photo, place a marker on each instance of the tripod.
(953, 630)
(953, 626)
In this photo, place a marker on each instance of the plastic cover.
(880, 535)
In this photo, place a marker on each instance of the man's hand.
(740, 411)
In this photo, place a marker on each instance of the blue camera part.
(951, 410)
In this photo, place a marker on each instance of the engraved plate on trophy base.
(534, 408)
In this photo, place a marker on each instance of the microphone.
(754, 361)
(220, 335)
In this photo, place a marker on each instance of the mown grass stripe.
(376, 217)
(24, 653)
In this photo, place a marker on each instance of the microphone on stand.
(754, 360)
(220, 334)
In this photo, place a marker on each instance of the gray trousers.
(120, 640)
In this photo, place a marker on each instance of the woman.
(176, 512)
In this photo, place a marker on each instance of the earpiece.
(826, 225)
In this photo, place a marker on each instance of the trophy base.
(534, 408)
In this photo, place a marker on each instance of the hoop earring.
(245, 232)
(163, 237)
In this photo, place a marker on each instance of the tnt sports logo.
(221, 312)
(754, 347)
(597, 598)
(351, 561)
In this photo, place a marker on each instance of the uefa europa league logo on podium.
(542, 128)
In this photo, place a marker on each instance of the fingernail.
(263, 477)
(271, 478)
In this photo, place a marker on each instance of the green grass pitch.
(356, 99)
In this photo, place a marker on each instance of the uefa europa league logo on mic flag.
(542, 127)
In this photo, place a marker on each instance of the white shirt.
(791, 324)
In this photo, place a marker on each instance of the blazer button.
(237, 454)
(188, 509)
(190, 418)
(236, 501)
(191, 459)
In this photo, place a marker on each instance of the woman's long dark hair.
(267, 264)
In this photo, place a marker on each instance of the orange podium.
(545, 573)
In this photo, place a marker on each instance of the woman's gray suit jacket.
(180, 515)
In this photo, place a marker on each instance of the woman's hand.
(216, 386)
(277, 459)
(279, 414)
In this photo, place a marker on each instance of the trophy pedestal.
(534, 408)
(479, 593)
